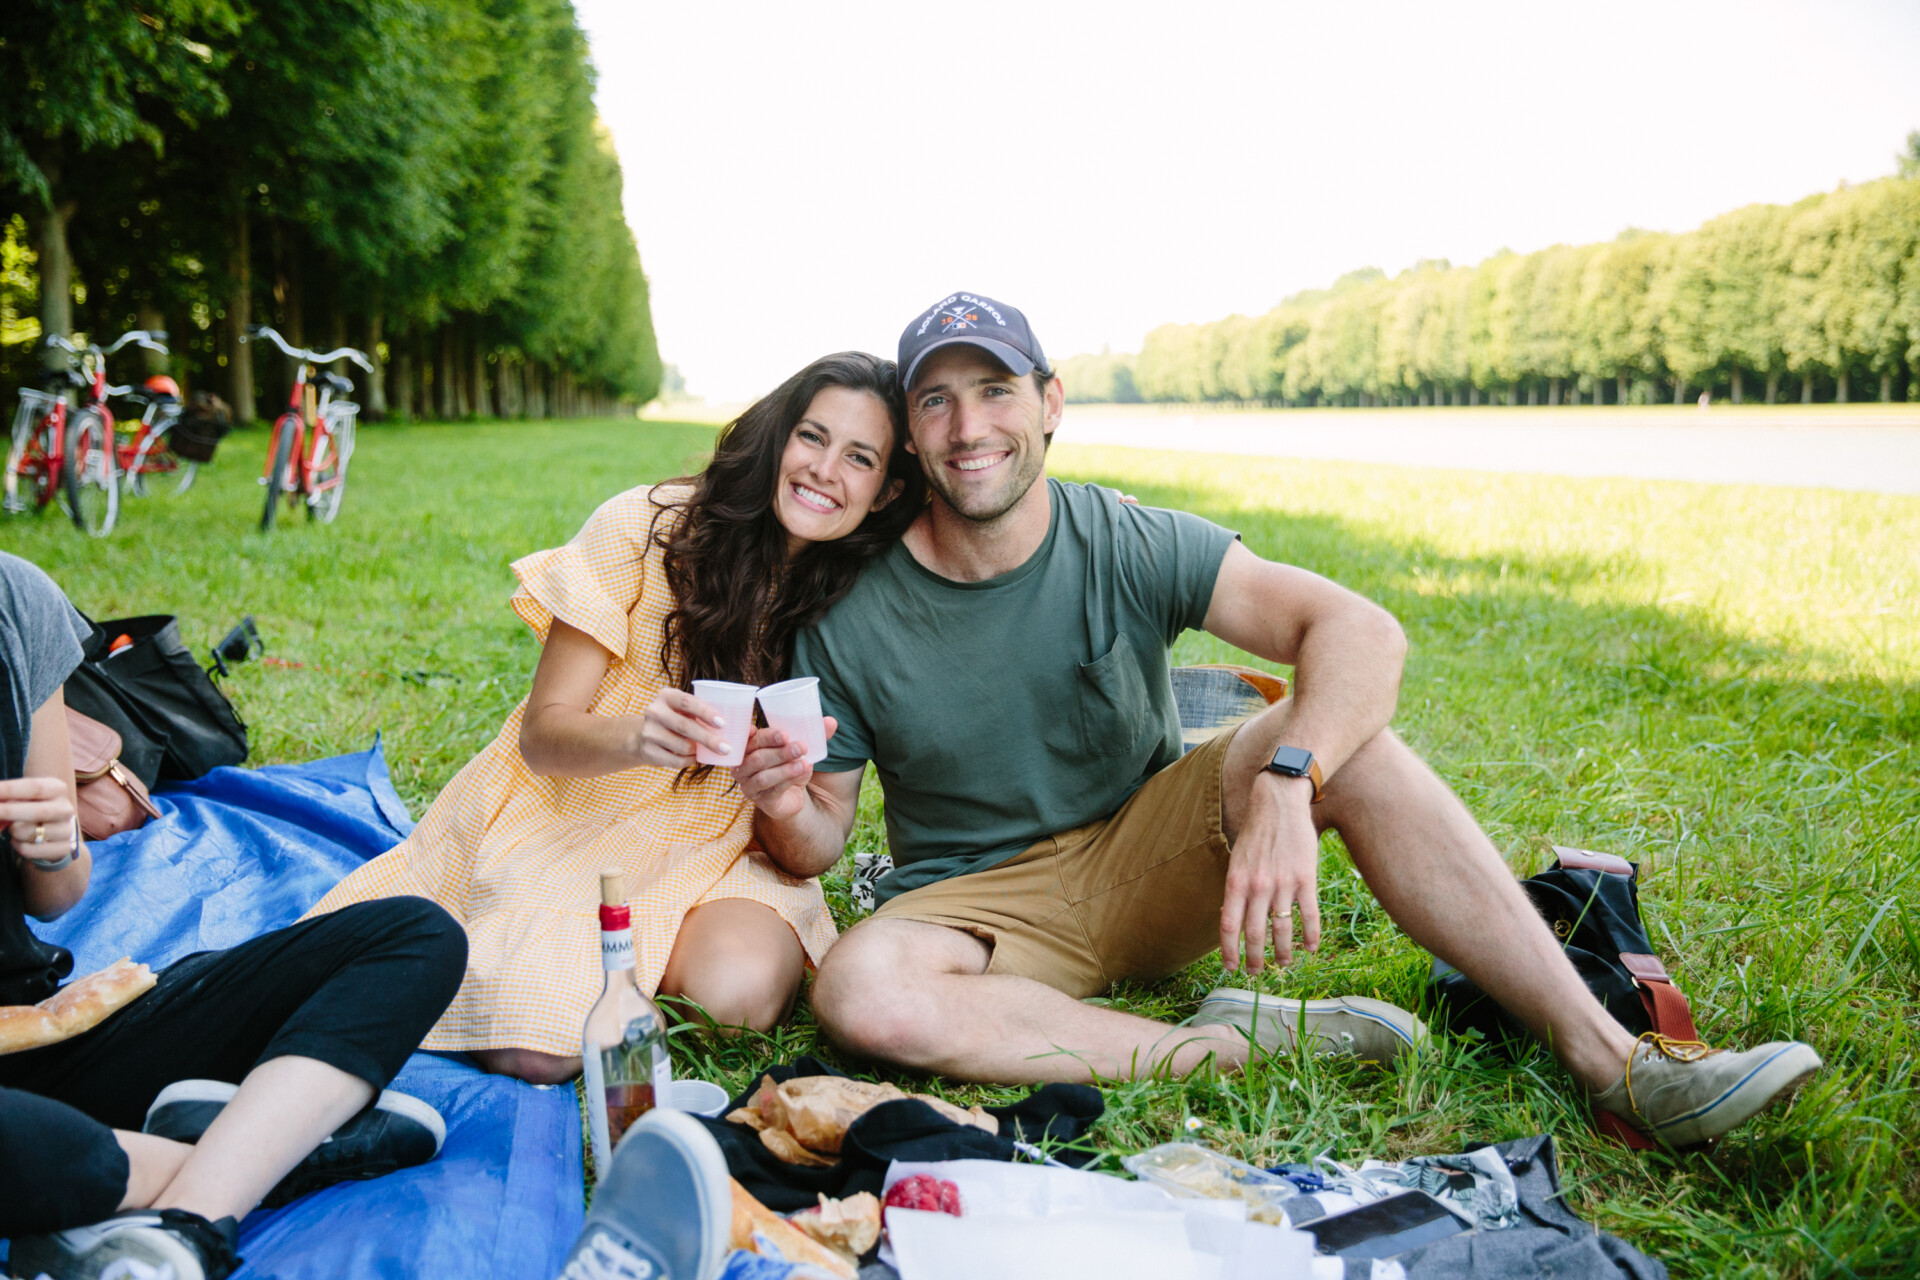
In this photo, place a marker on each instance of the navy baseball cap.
(996, 328)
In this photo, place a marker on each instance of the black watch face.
(1292, 761)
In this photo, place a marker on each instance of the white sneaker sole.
(220, 1091)
(87, 1253)
(1233, 1002)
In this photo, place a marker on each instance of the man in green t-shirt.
(1005, 669)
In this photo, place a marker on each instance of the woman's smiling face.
(833, 471)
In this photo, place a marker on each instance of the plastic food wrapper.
(849, 1227)
(1188, 1169)
(806, 1118)
(1042, 1222)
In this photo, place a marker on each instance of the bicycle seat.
(335, 383)
(58, 378)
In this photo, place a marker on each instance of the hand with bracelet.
(40, 822)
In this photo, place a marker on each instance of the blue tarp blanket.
(243, 851)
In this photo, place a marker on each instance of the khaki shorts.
(1136, 895)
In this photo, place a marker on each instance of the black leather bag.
(174, 725)
(1592, 903)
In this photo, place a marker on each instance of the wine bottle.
(623, 1049)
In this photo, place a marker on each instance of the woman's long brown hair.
(738, 603)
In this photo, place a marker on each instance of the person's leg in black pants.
(311, 1021)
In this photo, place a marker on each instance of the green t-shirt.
(1000, 712)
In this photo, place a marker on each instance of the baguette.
(754, 1223)
(79, 1006)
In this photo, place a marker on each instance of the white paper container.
(734, 704)
(793, 707)
(701, 1097)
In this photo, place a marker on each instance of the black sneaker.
(395, 1132)
(141, 1244)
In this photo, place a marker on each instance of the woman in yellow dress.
(708, 577)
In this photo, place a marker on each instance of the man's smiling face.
(980, 430)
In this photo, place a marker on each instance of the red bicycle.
(78, 446)
(313, 440)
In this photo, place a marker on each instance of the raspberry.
(924, 1191)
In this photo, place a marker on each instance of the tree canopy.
(424, 178)
(1821, 297)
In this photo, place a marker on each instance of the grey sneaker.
(663, 1211)
(1369, 1029)
(1682, 1092)
(141, 1244)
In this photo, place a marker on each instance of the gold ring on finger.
(39, 833)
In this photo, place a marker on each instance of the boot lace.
(1665, 1047)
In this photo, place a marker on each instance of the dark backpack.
(1591, 901)
(174, 725)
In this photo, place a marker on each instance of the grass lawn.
(1720, 683)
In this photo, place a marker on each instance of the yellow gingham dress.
(516, 858)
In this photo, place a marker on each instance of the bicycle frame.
(316, 457)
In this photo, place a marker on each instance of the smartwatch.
(1298, 762)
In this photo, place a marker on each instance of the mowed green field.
(1720, 683)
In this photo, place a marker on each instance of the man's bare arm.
(1347, 655)
(1347, 652)
(801, 818)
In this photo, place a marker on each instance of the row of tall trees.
(1815, 301)
(424, 179)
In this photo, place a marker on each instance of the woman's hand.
(39, 818)
(675, 724)
(773, 773)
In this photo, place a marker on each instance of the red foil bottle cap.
(615, 919)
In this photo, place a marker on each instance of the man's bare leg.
(1446, 886)
(919, 995)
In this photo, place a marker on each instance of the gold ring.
(39, 833)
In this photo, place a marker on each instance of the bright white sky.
(805, 178)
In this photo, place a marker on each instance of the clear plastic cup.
(793, 707)
(734, 704)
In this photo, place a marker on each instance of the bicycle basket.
(203, 424)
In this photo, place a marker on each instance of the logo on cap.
(954, 319)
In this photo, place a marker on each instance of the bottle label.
(616, 950)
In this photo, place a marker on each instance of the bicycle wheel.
(154, 460)
(327, 477)
(87, 474)
(30, 480)
(279, 454)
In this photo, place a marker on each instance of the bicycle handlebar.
(151, 339)
(302, 353)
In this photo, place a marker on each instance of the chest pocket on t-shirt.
(1112, 704)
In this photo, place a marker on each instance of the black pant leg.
(59, 1167)
(357, 990)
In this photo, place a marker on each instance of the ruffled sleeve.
(593, 582)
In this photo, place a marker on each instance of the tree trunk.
(1840, 388)
(1679, 391)
(1886, 387)
(147, 316)
(401, 406)
(1739, 387)
(444, 379)
(1773, 386)
(1553, 392)
(422, 348)
(56, 278)
(239, 316)
(377, 380)
(477, 354)
(1806, 387)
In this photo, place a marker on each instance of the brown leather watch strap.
(1314, 776)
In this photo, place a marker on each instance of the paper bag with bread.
(804, 1120)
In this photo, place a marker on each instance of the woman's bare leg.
(527, 1064)
(151, 1164)
(285, 1108)
(739, 961)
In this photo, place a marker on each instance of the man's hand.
(38, 807)
(773, 773)
(1275, 866)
